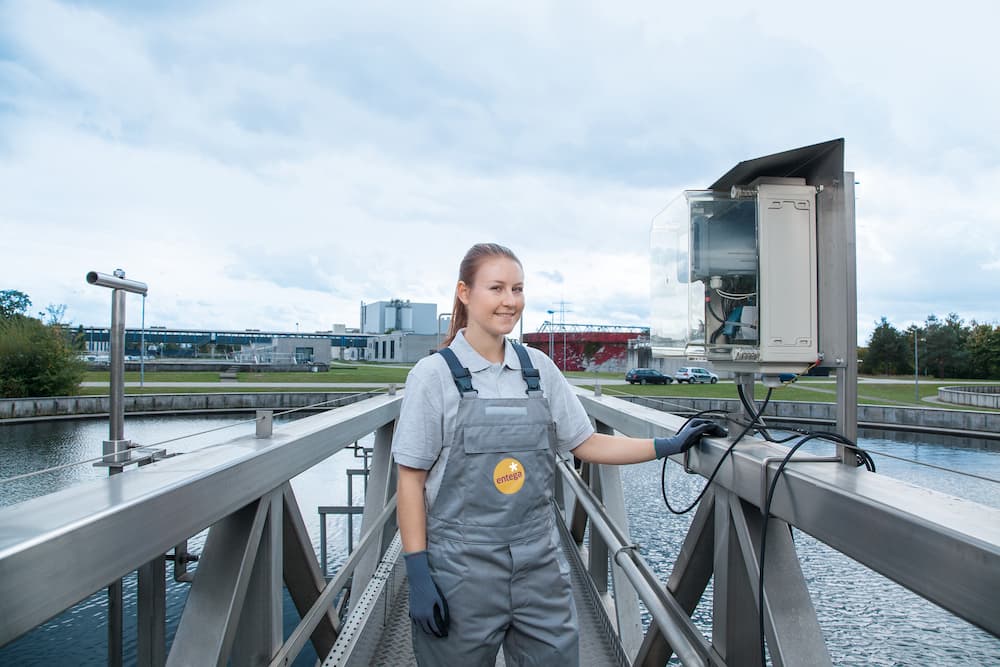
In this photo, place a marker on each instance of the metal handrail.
(687, 641)
(121, 522)
(871, 518)
(897, 529)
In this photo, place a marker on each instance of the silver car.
(692, 374)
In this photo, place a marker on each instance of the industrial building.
(401, 331)
(382, 317)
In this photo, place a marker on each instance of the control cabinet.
(748, 258)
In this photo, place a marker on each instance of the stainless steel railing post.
(115, 448)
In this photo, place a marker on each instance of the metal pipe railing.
(686, 640)
(152, 509)
(117, 282)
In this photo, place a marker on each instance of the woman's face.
(496, 297)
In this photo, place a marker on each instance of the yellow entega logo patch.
(508, 476)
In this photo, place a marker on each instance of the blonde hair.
(467, 270)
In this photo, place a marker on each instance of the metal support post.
(350, 517)
(115, 623)
(576, 516)
(734, 609)
(259, 632)
(322, 544)
(211, 618)
(265, 423)
(302, 574)
(626, 600)
(117, 423)
(151, 608)
(597, 549)
(688, 580)
(842, 290)
(793, 633)
(376, 497)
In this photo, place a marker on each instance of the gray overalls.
(491, 536)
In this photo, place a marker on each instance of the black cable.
(750, 410)
(863, 457)
(715, 334)
(722, 321)
(663, 471)
(781, 441)
(711, 311)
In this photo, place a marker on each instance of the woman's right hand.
(428, 608)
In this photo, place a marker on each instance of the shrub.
(36, 360)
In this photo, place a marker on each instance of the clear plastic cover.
(671, 287)
(704, 276)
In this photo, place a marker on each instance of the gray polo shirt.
(426, 427)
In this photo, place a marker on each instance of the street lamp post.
(564, 345)
(916, 369)
(551, 343)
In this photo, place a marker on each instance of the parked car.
(692, 374)
(647, 376)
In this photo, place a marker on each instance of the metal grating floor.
(598, 644)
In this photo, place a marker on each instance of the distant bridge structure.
(98, 338)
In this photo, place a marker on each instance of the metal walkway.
(391, 647)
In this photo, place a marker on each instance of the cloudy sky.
(265, 164)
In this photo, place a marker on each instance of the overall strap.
(528, 371)
(461, 374)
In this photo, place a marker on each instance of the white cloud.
(262, 166)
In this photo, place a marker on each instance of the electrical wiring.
(834, 437)
(736, 297)
(750, 410)
(711, 311)
(715, 471)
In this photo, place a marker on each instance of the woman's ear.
(462, 291)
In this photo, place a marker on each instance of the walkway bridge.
(58, 549)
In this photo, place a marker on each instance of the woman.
(474, 446)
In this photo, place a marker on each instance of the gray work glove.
(687, 437)
(428, 608)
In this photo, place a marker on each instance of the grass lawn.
(807, 389)
(359, 373)
(592, 375)
(815, 392)
(224, 388)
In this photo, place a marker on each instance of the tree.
(983, 349)
(13, 303)
(79, 339)
(55, 313)
(945, 355)
(887, 351)
(36, 360)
